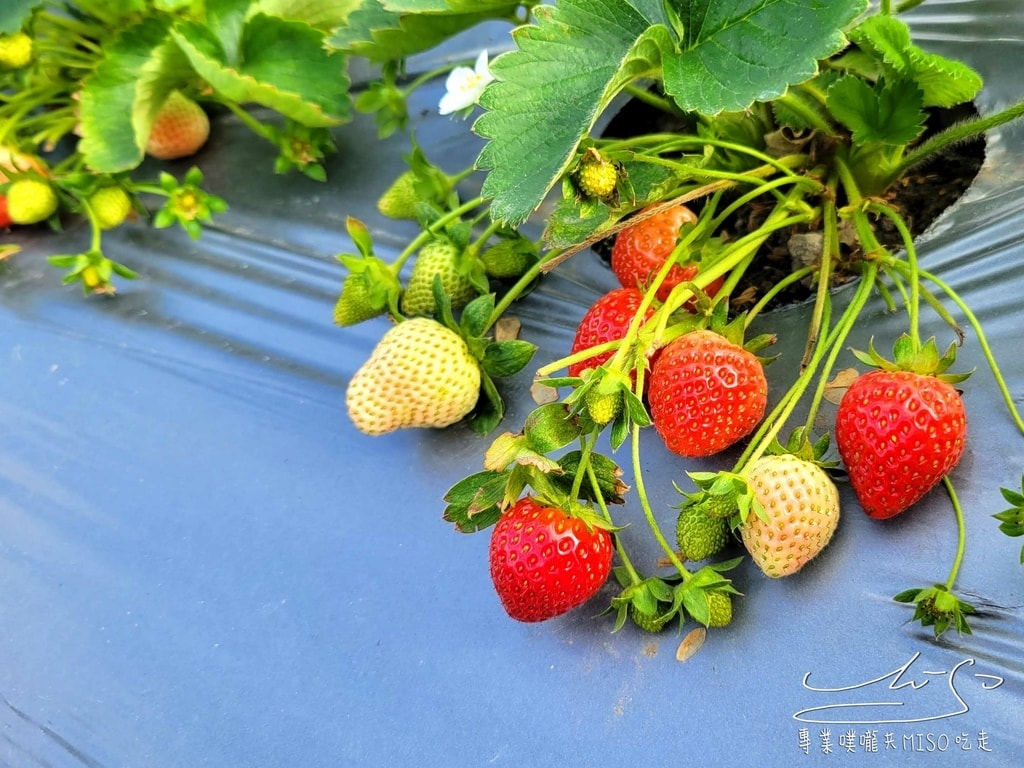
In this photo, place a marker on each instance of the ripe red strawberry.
(180, 128)
(705, 393)
(899, 433)
(545, 563)
(608, 319)
(640, 251)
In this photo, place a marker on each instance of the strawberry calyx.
(497, 359)
(938, 607)
(921, 358)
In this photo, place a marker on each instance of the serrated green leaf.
(548, 93)
(473, 502)
(571, 222)
(383, 31)
(505, 358)
(736, 53)
(120, 99)
(279, 63)
(943, 82)
(14, 14)
(322, 14)
(490, 408)
(580, 53)
(886, 113)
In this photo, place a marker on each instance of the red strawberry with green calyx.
(706, 390)
(545, 562)
(608, 319)
(641, 250)
(902, 427)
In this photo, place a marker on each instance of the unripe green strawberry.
(602, 407)
(420, 374)
(180, 128)
(507, 259)
(597, 176)
(400, 199)
(720, 604)
(801, 504)
(111, 206)
(15, 50)
(353, 305)
(438, 257)
(699, 535)
(649, 622)
(30, 201)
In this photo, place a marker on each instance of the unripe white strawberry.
(180, 128)
(802, 506)
(420, 374)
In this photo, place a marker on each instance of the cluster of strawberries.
(661, 351)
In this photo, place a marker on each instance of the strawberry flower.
(464, 86)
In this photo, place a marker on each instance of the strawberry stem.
(983, 343)
(913, 307)
(645, 505)
(961, 532)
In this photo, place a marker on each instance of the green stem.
(651, 99)
(641, 492)
(790, 279)
(620, 549)
(961, 533)
(913, 308)
(982, 341)
(431, 231)
(953, 135)
(521, 285)
(809, 116)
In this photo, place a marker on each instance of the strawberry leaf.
(279, 63)
(389, 31)
(505, 358)
(120, 99)
(473, 502)
(943, 82)
(14, 13)
(712, 57)
(886, 113)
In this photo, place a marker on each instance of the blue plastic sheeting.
(202, 563)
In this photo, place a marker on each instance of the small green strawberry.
(111, 206)
(400, 200)
(602, 407)
(30, 201)
(799, 512)
(699, 535)
(354, 305)
(15, 50)
(720, 605)
(420, 374)
(509, 259)
(180, 128)
(440, 257)
(650, 622)
(597, 176)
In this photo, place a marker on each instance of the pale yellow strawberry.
(420, 374)
(802, 506)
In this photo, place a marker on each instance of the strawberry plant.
(790, 122)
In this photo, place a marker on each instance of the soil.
(921, 197)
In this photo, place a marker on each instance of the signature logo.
(907, 694)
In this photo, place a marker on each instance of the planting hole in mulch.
(921, 197)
